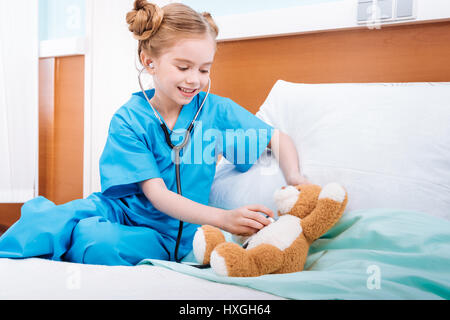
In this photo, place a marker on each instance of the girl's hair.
(159, 28)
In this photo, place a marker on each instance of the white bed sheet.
(34, 278)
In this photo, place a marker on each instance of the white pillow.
(233, 189)
(388, 144)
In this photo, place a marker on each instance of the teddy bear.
(305, 213)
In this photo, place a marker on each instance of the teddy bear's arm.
(330, 207)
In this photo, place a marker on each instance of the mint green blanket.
(368, 254)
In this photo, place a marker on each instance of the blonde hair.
(159, 28)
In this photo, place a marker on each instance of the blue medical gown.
(136, 151)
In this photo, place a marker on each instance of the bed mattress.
(33, 279)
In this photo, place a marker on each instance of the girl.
(137, 214)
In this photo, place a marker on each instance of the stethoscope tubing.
(177, 149)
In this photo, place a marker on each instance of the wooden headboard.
(246, 70)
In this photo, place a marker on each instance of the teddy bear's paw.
(286, 198)
(333, 191)
(218, 264)
(199, 245)
(205, 240)
(229, 259)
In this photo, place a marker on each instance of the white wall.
(111, 74)
(232, 7)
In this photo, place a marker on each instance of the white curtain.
(19, 65)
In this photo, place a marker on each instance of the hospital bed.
(387, 142)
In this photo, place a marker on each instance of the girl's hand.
(246, 220)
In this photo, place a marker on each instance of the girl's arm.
(242, 221)
(286, 153)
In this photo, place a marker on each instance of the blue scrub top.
(136, 151)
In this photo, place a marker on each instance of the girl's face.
(182, 71)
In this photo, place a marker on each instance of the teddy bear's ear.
(285, 199)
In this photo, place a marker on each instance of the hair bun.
(213, 26)
(145, 19)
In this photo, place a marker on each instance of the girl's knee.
(89, 225)
(96, 241)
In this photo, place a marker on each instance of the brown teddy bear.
(306, 212)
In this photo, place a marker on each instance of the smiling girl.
(137, 214)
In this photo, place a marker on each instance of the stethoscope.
(176, 148)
